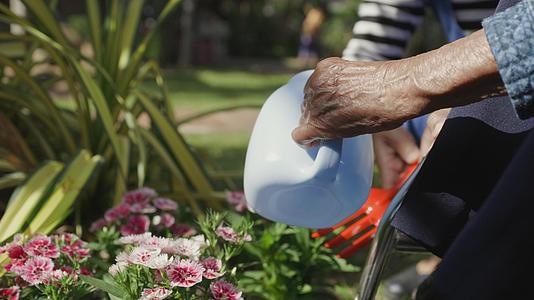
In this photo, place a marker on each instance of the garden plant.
(103, 205)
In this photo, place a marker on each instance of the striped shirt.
(384, 27)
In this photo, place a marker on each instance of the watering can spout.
(327, 161)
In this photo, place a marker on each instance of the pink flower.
(16, 252)
(167, 220)
(213, 267)
(11, 293)
(118, 212)
(73, 246)
(224, 290)
(136, 225)
(155, 294)
(143, 256)
(229, 234)
(185, 273)
(138, 200)
(182, 230)
(97, 225)
(238, 200)
(42, 246)
(134, 239)
(165, 204)
(37, 269)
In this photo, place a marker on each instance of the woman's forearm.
(457, 74)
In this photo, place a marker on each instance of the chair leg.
(382, 246)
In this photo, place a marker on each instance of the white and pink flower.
(37, 269)
(185, 273)
(160, 262)
(117, 268)
(143, 256)
(134, 239)
(165, 204)
(42, 245)
(155, 294)
(222, 290)
(213, 268)
(136, 225)
(157, 242)
(185, 248)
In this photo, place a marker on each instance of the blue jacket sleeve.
(511, 38)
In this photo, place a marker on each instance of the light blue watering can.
(284, 182)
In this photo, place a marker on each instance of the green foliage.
(291, 263)
(107, 97)
(47, 197)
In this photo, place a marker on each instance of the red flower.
(11, 293)
(136, 225)
(118, 212)
(182, 230)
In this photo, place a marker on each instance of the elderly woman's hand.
(344, 99)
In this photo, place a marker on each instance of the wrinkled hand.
(344, 99)
(394, 151)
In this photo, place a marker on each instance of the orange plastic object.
(364, 222)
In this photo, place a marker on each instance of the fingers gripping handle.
(327, 160)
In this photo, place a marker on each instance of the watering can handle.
(327, 159)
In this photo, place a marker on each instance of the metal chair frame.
(387, 240)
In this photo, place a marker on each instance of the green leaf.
(180, 151)
(66, 190)
(107, 287)
(95, 23)
(131, 71)
(129, 31)
(103, 112)
(45, 16)
(11, 180)
(25, 199)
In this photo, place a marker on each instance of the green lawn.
(199, 89)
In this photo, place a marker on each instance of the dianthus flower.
(41, 245)
(222, 290)
(155, 294)
(213, 268)
(165, 204)
(37, 269)
(136, 225)
(185, 273)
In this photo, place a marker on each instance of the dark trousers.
(493, 256)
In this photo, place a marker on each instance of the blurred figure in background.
(382, 32)
(309, 39)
